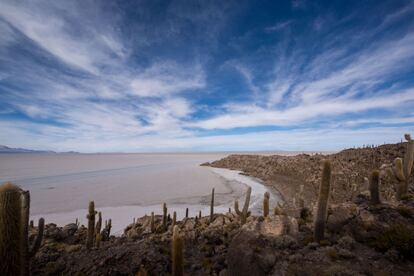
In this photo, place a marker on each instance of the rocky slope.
(360, 240)
(351, 169)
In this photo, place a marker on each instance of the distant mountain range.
(5, 149)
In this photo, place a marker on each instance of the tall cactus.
(245, 212)
(38, 241)
(301, 196)
(374, 184)
(319, 231)
(186, 212)
(177, 253)
(174, 218)
(164, 216)
(212, 206)
(98, 226)
(152, 222)
(10, 238)
(14, 224)
(99, 223)
(91, 225)
(403, 167)
(24, 228)
(266, 204)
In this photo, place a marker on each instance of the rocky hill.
(351, 170)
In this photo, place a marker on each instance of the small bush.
(404, 211)
(399, 237)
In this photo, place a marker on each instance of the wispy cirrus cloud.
(99, 76)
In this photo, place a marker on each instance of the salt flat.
(123, 186)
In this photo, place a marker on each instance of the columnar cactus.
(177, 253)
(24, 230)
(374, 184)
(322, 210)
(402, 168)
(266, 204)
(152, 223)
(245, 212)
(98, 227)
(109, 227)
(14, 223)
(212, 206)
(186, 212)
(164, 215)
(174, 218)
(301, 197)
(199, 214)
(10, 223)
(99, 223)
(38, 241)
(91, 225)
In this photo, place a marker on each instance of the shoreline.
(123, 215)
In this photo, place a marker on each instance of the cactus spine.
(91, 225)
(164, 215)
(266, 204)
(212, 206)
(245, 212)
(14, 224)
(319, 231)
(374, 187)
(177, 253)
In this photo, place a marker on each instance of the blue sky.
(100, 76)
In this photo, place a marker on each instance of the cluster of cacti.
(403, 167)
(212, 206)
(374, 185)
(177, 253)
(106, 232)
(245, 211)
(266, 204)
(14, 224)
(91, 225)
(322, 209)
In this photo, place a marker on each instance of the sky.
(156, 76)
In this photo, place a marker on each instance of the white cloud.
(162, 79)
(51, 29)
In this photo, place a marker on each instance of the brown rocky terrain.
(351, 170)
(360, 238)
